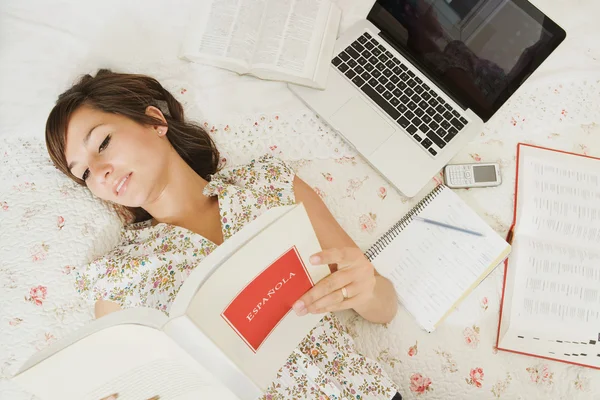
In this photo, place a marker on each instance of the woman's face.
(120, 160)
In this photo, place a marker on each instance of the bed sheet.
(49, 226)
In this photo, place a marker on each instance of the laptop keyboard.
(400, 93)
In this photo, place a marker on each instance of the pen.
(456, 228)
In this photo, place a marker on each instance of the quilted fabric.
(49, 226)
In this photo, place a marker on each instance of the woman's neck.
(181, 197)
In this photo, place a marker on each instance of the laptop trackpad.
(361, 125)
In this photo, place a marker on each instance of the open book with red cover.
(230, 327)
(551, 298)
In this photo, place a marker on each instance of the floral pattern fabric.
(151, 263)
(51, 227)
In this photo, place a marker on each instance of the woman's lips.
(122, 186)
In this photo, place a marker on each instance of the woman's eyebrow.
(85, 142)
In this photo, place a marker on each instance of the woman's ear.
(155, 112)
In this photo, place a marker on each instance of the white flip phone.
(457, 176)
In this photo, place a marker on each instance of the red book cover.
(263, 303)
(509, 239)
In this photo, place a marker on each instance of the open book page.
(552, 294)
(245, 305)
(556, 289)
(185, 333)
(434, 268)
(135, 361)
(224, 33)
(558, 197)
(140, 316)
(291, 37)
(552, 308)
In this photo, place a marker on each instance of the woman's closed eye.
(103, 146)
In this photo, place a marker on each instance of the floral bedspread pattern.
(50, 227)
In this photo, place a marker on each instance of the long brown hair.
(129, 95)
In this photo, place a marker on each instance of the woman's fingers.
(355, 276)
(336, 301)
(343, 257)
(324, 287)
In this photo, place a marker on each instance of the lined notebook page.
(433, 268)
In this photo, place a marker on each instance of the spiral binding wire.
(399, 226)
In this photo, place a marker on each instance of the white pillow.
(49, 226)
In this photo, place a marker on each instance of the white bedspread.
(49, 226)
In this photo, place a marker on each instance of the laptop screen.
(478, 51)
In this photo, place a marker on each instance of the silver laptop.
(413, 83)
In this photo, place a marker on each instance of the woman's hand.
(350, 286)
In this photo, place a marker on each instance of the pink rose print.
(183, 90)
(39, 252)
(475, 157)
(60, 222)
(419, 384)
(475, 377)
(67, 269)
(382, 193)
(4, 205)
(327, 176)
(45, 341)
(582, 383)
(273, 147)
(15, 321)
(540, 374)
(448, 362)
(501, 386)
(37, 295)
(413, 350)
(26, 186)
(472, 336)
(64, 190)
(80, 284)
(563, 114)
(367, 222)
(346, 160)
(484, 303)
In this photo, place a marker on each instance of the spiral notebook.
(434, 268)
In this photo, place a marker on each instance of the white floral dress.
(151, 263)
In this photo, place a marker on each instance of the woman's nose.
(103, 172)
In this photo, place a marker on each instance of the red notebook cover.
(509, 238)
(259, 307)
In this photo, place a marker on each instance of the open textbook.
(230, 327)
(551, 298)
(288, 40)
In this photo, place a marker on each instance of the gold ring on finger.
(345, 293)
